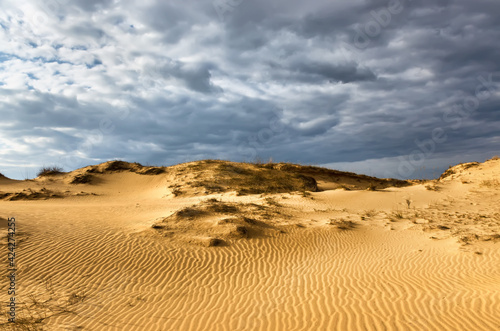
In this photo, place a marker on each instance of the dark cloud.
(345, 74)
(320, 82)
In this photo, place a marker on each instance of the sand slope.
(335, 259)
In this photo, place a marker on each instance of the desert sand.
(216, 245)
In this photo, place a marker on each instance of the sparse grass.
(212, 200)
(190, 212)
(120, 165)
(153, 171)
(273, 202)
(207, 207)
(490, 183)
(32, 312)
(343, 224)
(82, 179)
(176, 192)
(258, 161)
(222, 220)
(306, 194)
(432, 187)
(368, 213)
(372, 187)
(447, 173)
(397, 215)
(247, 179)
(49, 171)
(222, 208)
(408, 202)
(470, 165)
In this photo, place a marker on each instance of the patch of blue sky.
(96, 62)
(32, 76)
(52, 60)
(6, 57)
(79, 48)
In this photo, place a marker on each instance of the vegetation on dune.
(247, 179)
(50, 171)
(117, 165)
(214, 222)
(82, 179)
(343, 224)
(490, 183)
(453, 169)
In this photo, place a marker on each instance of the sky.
(398, 88)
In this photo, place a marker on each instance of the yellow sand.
(410, 258)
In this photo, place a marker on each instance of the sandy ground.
(420, 257)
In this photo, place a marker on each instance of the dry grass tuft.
(343, 224)
(432, 187)
(490, 183)
(273, 202)
(370, 213)
(50, 171)
(33, 312)
(397, 215)
(120, 165)
(82, 179)
(447, 173)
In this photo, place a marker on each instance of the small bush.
(153, 171)
(49, 171)
(176, 192)
(190, 212)
(370, 213)
(222, 208)
(118, 165)
(342, 224)
(82, 179)
(431, 187)
(408, 202)
(447, 173)
(397, 214)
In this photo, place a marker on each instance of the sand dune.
(119, 246)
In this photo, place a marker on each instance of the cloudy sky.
(394, 88)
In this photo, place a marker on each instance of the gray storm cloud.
(328, 83)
